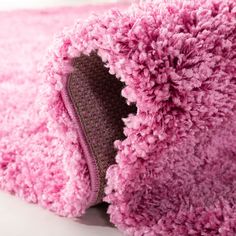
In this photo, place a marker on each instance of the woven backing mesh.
(96, 96)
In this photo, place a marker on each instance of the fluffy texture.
(176, 169)
(40, 158)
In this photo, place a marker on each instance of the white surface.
(18, 218)
(14, 4)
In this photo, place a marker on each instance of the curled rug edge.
(40, 159)
(175, 171)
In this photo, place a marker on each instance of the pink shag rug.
(175, 172)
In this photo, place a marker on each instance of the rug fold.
(175, 170)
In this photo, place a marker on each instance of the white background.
(18, 218)
(14, 4)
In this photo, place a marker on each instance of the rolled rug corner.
(175, 61)
(41, 160)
